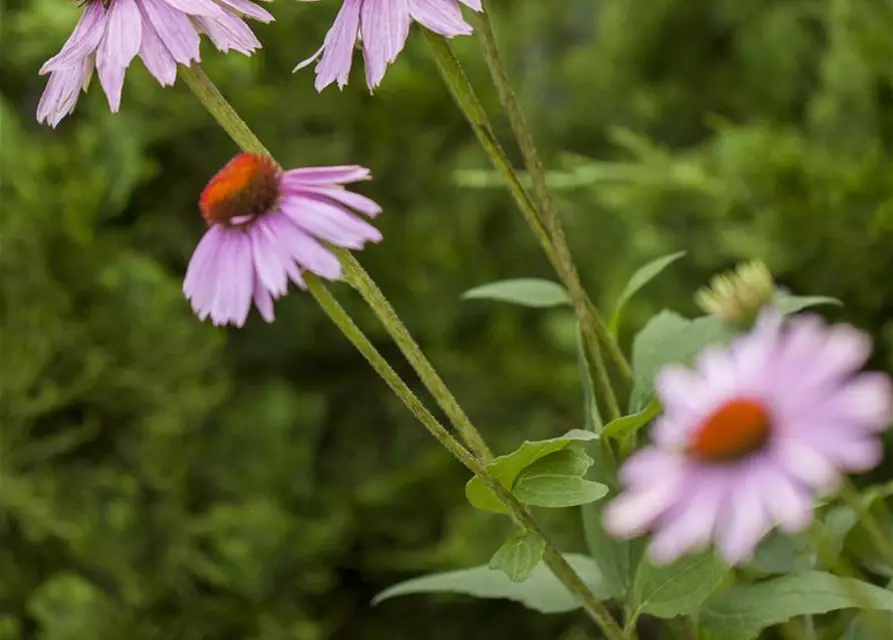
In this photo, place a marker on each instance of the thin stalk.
(553, 558)
(872, 527)
(364, 284)
(223, 112)
(524, 135)
(468, 102)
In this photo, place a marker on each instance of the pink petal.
(61, 93)
(82, 41)
(123, 36)
(440, 16)
(249, 9)
(337, 55)
(175, 30)
(325, 176)
(229, 32)
(385, 27)
(329, 223)
(156, 57)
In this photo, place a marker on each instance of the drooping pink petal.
(156, 57)
(249, 9)
(337, 53)
(175, 30)
(61, 93)
(344, 197)
(120, 45)
(329, 223)
(385, 27)
(83, 40)
(440, 16)
(229, 32)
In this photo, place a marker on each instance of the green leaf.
(541, 591)
(678, 588)
(744, 610)
(527, 292)
(556, 481)
(628, 425)
(870, 625)
(788, 304)
(783, 553)
(670, 338)
(518, 556)
(639, 279)
(507, 468)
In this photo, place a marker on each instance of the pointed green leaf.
(541, 591)
(639, 279)
(744, 610)
(556, 481)
(788, 304)
(670, 338)
(507, 468)
(628, 425)
(527, 292)
(518, 556)
(678, 588)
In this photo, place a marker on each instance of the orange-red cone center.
(734, 430)
(247, 186)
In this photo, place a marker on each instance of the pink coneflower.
(383, 26)
(750, 436)
(267, 226)
(163, 33)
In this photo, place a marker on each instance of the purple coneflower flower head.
(383, 26)
(163, 33)
(750, 437)
(268, 226)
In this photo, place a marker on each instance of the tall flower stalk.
(594, 330)
(474, 459)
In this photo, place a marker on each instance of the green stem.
(468, 102)
(217, 105)
(361, 281)
(553, 558)
(524, 135)
(869, 522)
(208, 94)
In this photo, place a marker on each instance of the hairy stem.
(553, 558)
(524, 135)
(468, 102)
(368, 289)
(223, 112)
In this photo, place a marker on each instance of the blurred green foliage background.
(160, 478)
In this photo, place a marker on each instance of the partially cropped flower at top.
(163, 33)
(268, 226)
(750, 438)
(383, 26)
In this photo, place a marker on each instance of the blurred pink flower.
(750, 436)
(266, 227)
(383, 26)
(163, 33)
